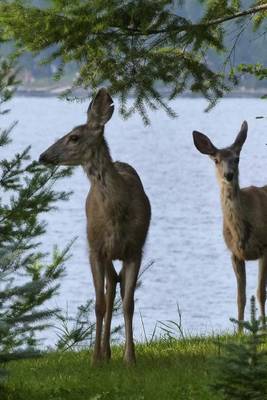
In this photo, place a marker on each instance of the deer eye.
(74, 138)
(216, 161)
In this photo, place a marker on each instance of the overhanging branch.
(186, 27)
(240, 14)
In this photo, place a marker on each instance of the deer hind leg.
(261, 291)
(128, 279)
(98, 272)
(240, 273)
(111, 282)
(122, 282)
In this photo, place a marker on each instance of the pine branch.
(240, 14)
(188, 27)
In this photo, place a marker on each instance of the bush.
(242, 368)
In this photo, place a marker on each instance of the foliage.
(173, 329)
(79, 332)
(133, 47)
(27, 280)
(242, 367)
(258, 70)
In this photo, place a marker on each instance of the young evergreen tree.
(133, 46)
(27, 281)
(242, 367)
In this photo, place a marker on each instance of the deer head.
(77, 146)
(226, 160)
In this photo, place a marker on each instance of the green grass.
(172, 369)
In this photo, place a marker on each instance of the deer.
(244, 216)
(118, 215)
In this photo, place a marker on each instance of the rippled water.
(191, 264)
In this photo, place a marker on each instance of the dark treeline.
(242, 46)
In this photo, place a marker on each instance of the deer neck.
(100, 169)
(233, 213)
(230, 199)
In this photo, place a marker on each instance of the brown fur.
(118, 213)
(245, 221)
(244, 215)
(118, 217)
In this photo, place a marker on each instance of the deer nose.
(43, 158)
(229, 176)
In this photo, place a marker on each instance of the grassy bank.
(165, 370)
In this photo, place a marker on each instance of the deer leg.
(111, 282)
(261, 291)
(122, 282)
(98, 272)
(240, 273)
(129, 278)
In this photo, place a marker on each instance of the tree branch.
(250, 11)
(217, 21)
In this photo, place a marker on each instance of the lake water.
(191, 263)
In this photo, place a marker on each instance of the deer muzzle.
(44, 159)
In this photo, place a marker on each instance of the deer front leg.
(98, 271)
(240, 273)
(128, 283)
(111, 282)
(261, 291)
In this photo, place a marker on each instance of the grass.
(167, 369)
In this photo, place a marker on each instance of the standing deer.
(244, 216)
(118, 216)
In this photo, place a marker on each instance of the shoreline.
(56, 92)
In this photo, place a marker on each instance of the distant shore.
(241, 92)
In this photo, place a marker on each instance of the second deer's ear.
(203, 144)
(241, 137)
(101, 108)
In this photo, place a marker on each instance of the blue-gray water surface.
(192, 266)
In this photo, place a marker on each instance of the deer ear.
(203, 144)
(101, 108)
(241, 137)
